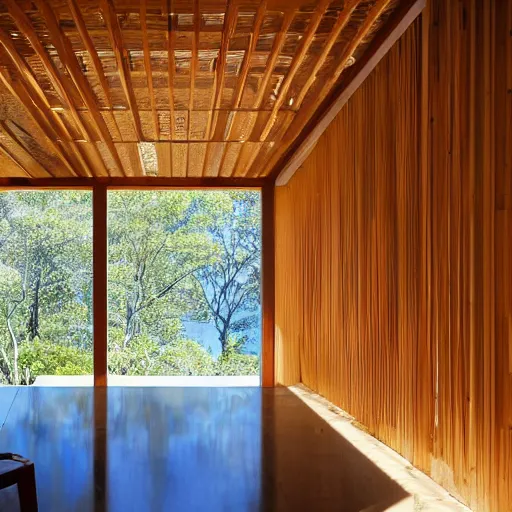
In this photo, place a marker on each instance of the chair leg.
(27, 490)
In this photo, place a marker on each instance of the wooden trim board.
(378, 49)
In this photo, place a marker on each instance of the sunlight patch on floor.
(427, 495)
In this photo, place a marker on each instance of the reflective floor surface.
(190, 449)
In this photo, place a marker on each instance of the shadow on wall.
(189, 449)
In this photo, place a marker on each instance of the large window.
(184, 283)
(45, 285)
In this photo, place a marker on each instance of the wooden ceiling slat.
(15, 160)
(147, 66)
(53, 74)
(263, 88)
(126, 75)
(24, 24)
(220, 66)
(277, 46)
(20, 93)
(21, 66)
(240, 86)
(86, 39)
(194, 57)
(341, 22)
(295, 65)
(282, 169)
(123, 67)
(38, 95)
(372, 16)
(307, 111)
(218, 84)
(36, 169)
(171, 68)
(28, 31)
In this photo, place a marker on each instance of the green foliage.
(45, 358)
(233, 362)
(172, 256)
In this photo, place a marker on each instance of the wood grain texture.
(99, 262)
(267, 286)
(393, 253)
(111, 75)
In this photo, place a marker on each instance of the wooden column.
(267, 285)
(100, 283)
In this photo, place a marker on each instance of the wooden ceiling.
(187, 88)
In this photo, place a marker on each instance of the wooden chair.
(14, 469)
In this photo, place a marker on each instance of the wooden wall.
(394, 253)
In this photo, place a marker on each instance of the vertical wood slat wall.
(394, 253)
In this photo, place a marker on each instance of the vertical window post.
(267, 285)
(99, 195)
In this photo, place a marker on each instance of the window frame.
(100, 187)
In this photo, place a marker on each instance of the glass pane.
(184, 283)
(45, 286)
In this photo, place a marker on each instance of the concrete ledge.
(149, 381)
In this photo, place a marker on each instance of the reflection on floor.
(152, 381)
(204, 449)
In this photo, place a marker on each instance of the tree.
(45, 240)
(155, 246)
(231, 284)
(172, 256)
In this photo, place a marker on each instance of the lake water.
(206, 335)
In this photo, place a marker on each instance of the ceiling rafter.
(38, 96)
(307, 111)
(21, 94)
(240, 85)
(171, 66)
(280, 166)
(68, 58)
(341, 22)
(242, 79)
(123, 66)
(298, 59)
(23, 22)
(147, 65)
(370, 20)
(218, 80)
(14, 159)
(36, 169)
(91, 50)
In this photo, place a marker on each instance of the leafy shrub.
(46, 358)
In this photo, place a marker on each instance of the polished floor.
(190, 449)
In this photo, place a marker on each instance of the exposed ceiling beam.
(298, 59)
(116, 41)
(13, 158)
(19, 91)
(171, 68)
(242, 79)
(277, 46)
(133, 182)
(284, 168)
(341, 22)
(230, 20)
(91, 50)
(147, 65)
(37, 95)
(34, 169)
(60, 87)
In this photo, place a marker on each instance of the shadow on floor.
(204, 449)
